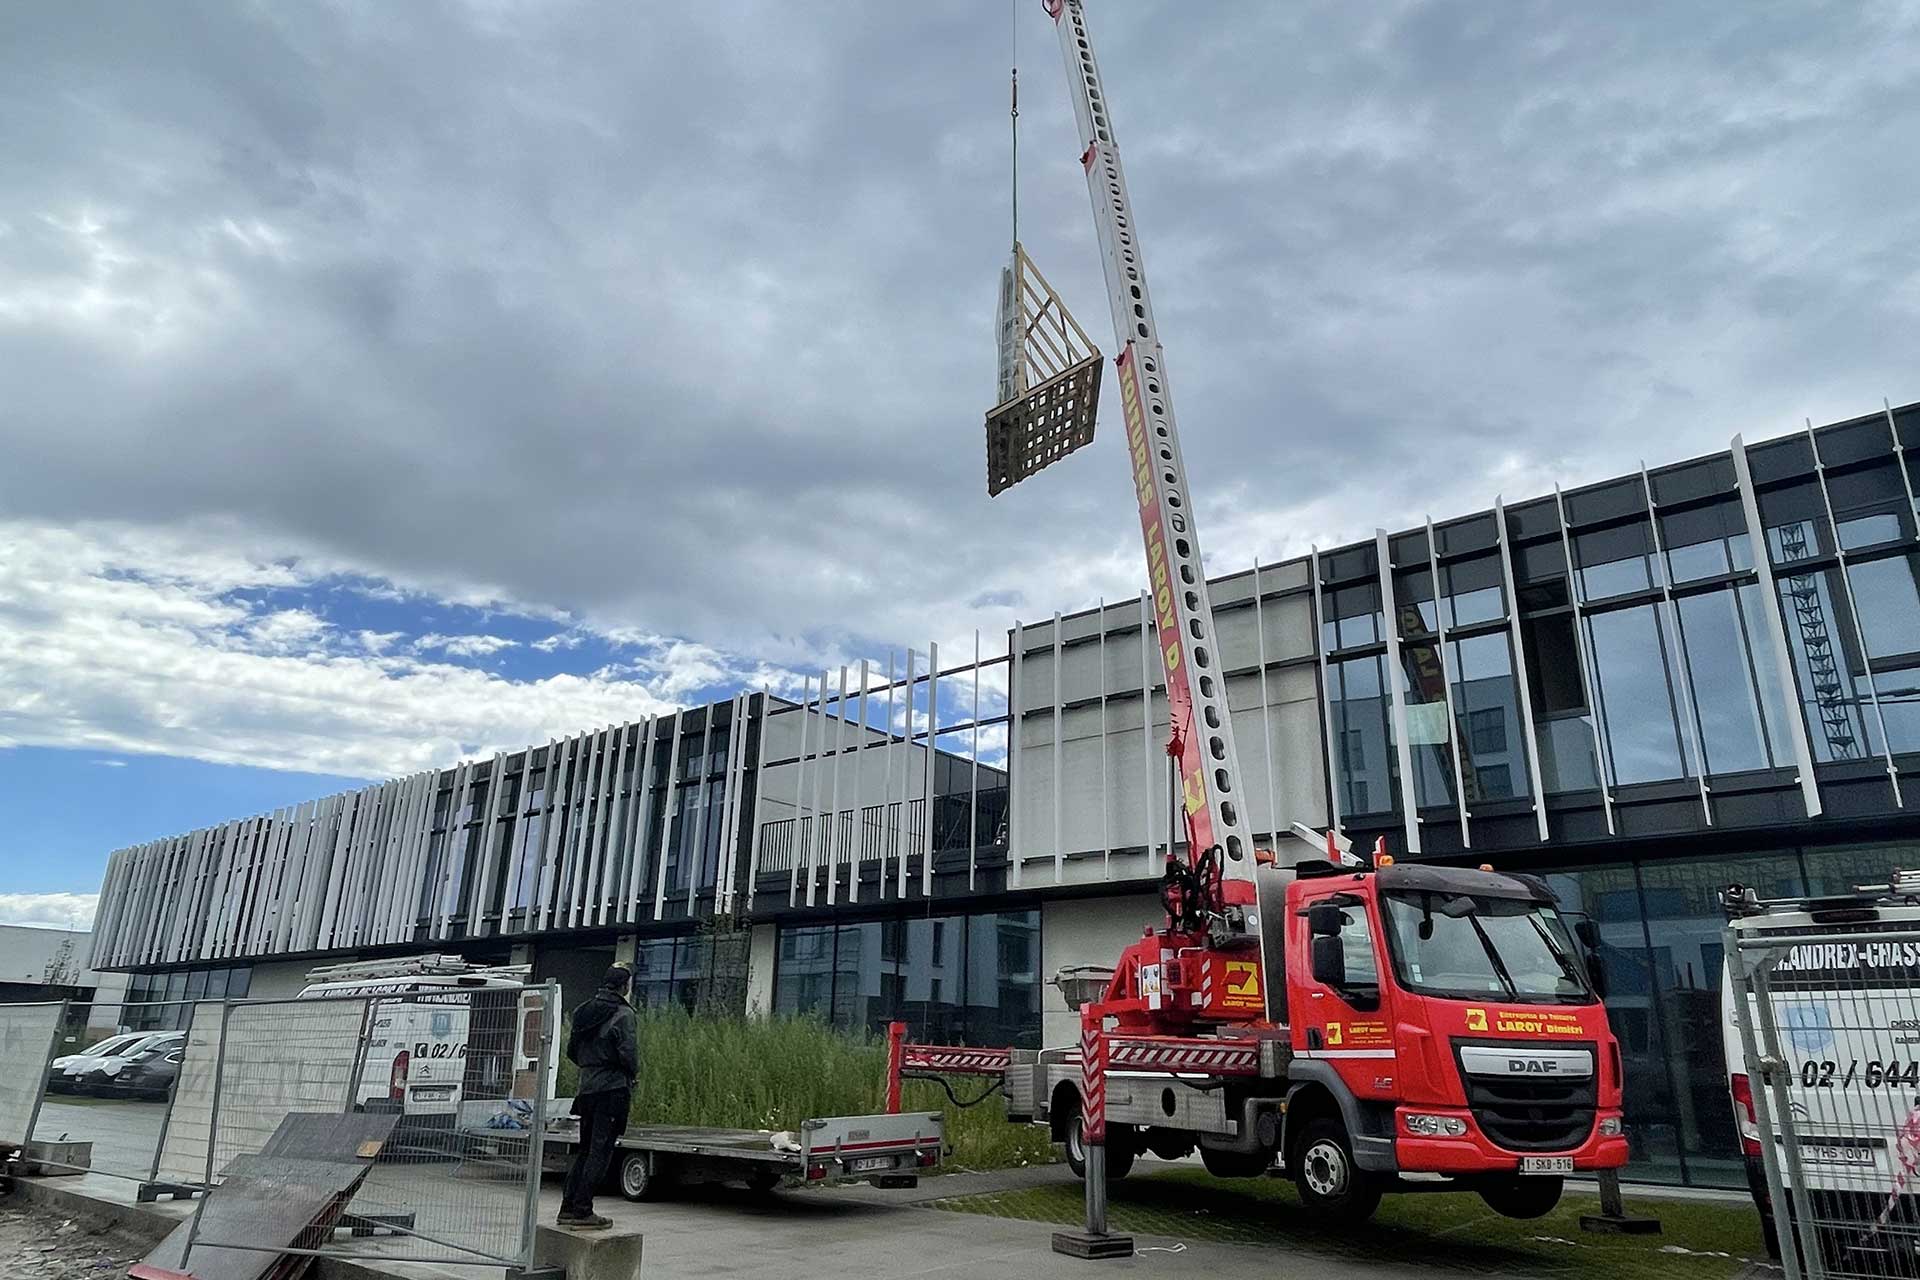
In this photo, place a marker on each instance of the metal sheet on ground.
(263, 1203)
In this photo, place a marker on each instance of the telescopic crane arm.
(1216, 887)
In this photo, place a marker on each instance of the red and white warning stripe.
(1162, 1053)
(1093, 1080)
(954, 1059)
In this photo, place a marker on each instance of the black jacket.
(602, 1044)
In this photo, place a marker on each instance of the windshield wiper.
(1493, 954)
(1561, 958)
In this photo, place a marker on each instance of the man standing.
(602, 1046)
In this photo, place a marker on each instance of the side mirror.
(1588, 934)
(1324, 920)
(1329, 959)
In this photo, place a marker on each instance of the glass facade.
(164, 1001)
(959, 979)
(1660, 925)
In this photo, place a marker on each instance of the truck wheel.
(1522, 1197)
(1120, 1150)
(762, 1184)
(1331, 1184)
(1235, 1164)
(639, 1180)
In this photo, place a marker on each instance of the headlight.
(1426, 1126)
(1612, 1127)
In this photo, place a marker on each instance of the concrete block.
(612, 1254)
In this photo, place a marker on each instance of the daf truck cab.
(1437, 1021)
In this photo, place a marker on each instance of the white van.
(441, 1032)
(1848, 1015)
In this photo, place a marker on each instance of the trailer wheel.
(762, 1184)
(1331, 1184)
(639, 1180)
(1120, 1150)
(1521, 1197)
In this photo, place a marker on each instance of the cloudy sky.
(382, 383)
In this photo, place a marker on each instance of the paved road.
(123, 1132)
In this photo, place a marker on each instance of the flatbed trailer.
(885, 1150)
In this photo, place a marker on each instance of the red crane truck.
(1356, 1023)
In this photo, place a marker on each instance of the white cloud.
(110, 764)
(115, 641)
(48, 910)
(560, 640)
(469, 646)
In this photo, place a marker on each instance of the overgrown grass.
(773, 1073)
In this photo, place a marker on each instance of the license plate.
(868, 1164)
(434, 1095)
(1821, 1153)
(1546, 1164)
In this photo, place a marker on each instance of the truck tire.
(1120, 1150)
(1522, 1197)
(1235, 1164)
(636, 1176)
(1332, 1186)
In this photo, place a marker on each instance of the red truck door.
(1341, 1008)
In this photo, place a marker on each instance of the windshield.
(1474, 946)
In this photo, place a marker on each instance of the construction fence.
(404, 1125)
(1829, 1023)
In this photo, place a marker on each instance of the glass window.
(692, 970)
(1826, 667)
(1637, 710)
(933, 980)
(1350, 616)
(1003, 979)
(1561, 716)
(803, 976)
(1476, 945)
(1685, 926)
(1424, 687)
(1488, 706)
(1706, 542)
(1362, 721)
(239, 981)
(1609, 897)
(1474, 591)
(1615, 562)
(1741, 713)
(1870, 505)
(1795, 518)
(1842, 869)
(1888, 593)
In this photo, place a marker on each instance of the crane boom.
(1200, 727)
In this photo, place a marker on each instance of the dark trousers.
(603, 1117)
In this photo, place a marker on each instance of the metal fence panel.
(109, 1085)
(1829, 1017)
(462, 1070)
(27, 1034)
(180, 1159)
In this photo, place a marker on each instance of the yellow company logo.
(1476, 1019)
(1243, 978)
(1334, 1036)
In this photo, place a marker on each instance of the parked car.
(63, 1074)
(151, 1074)
(108, 1075)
